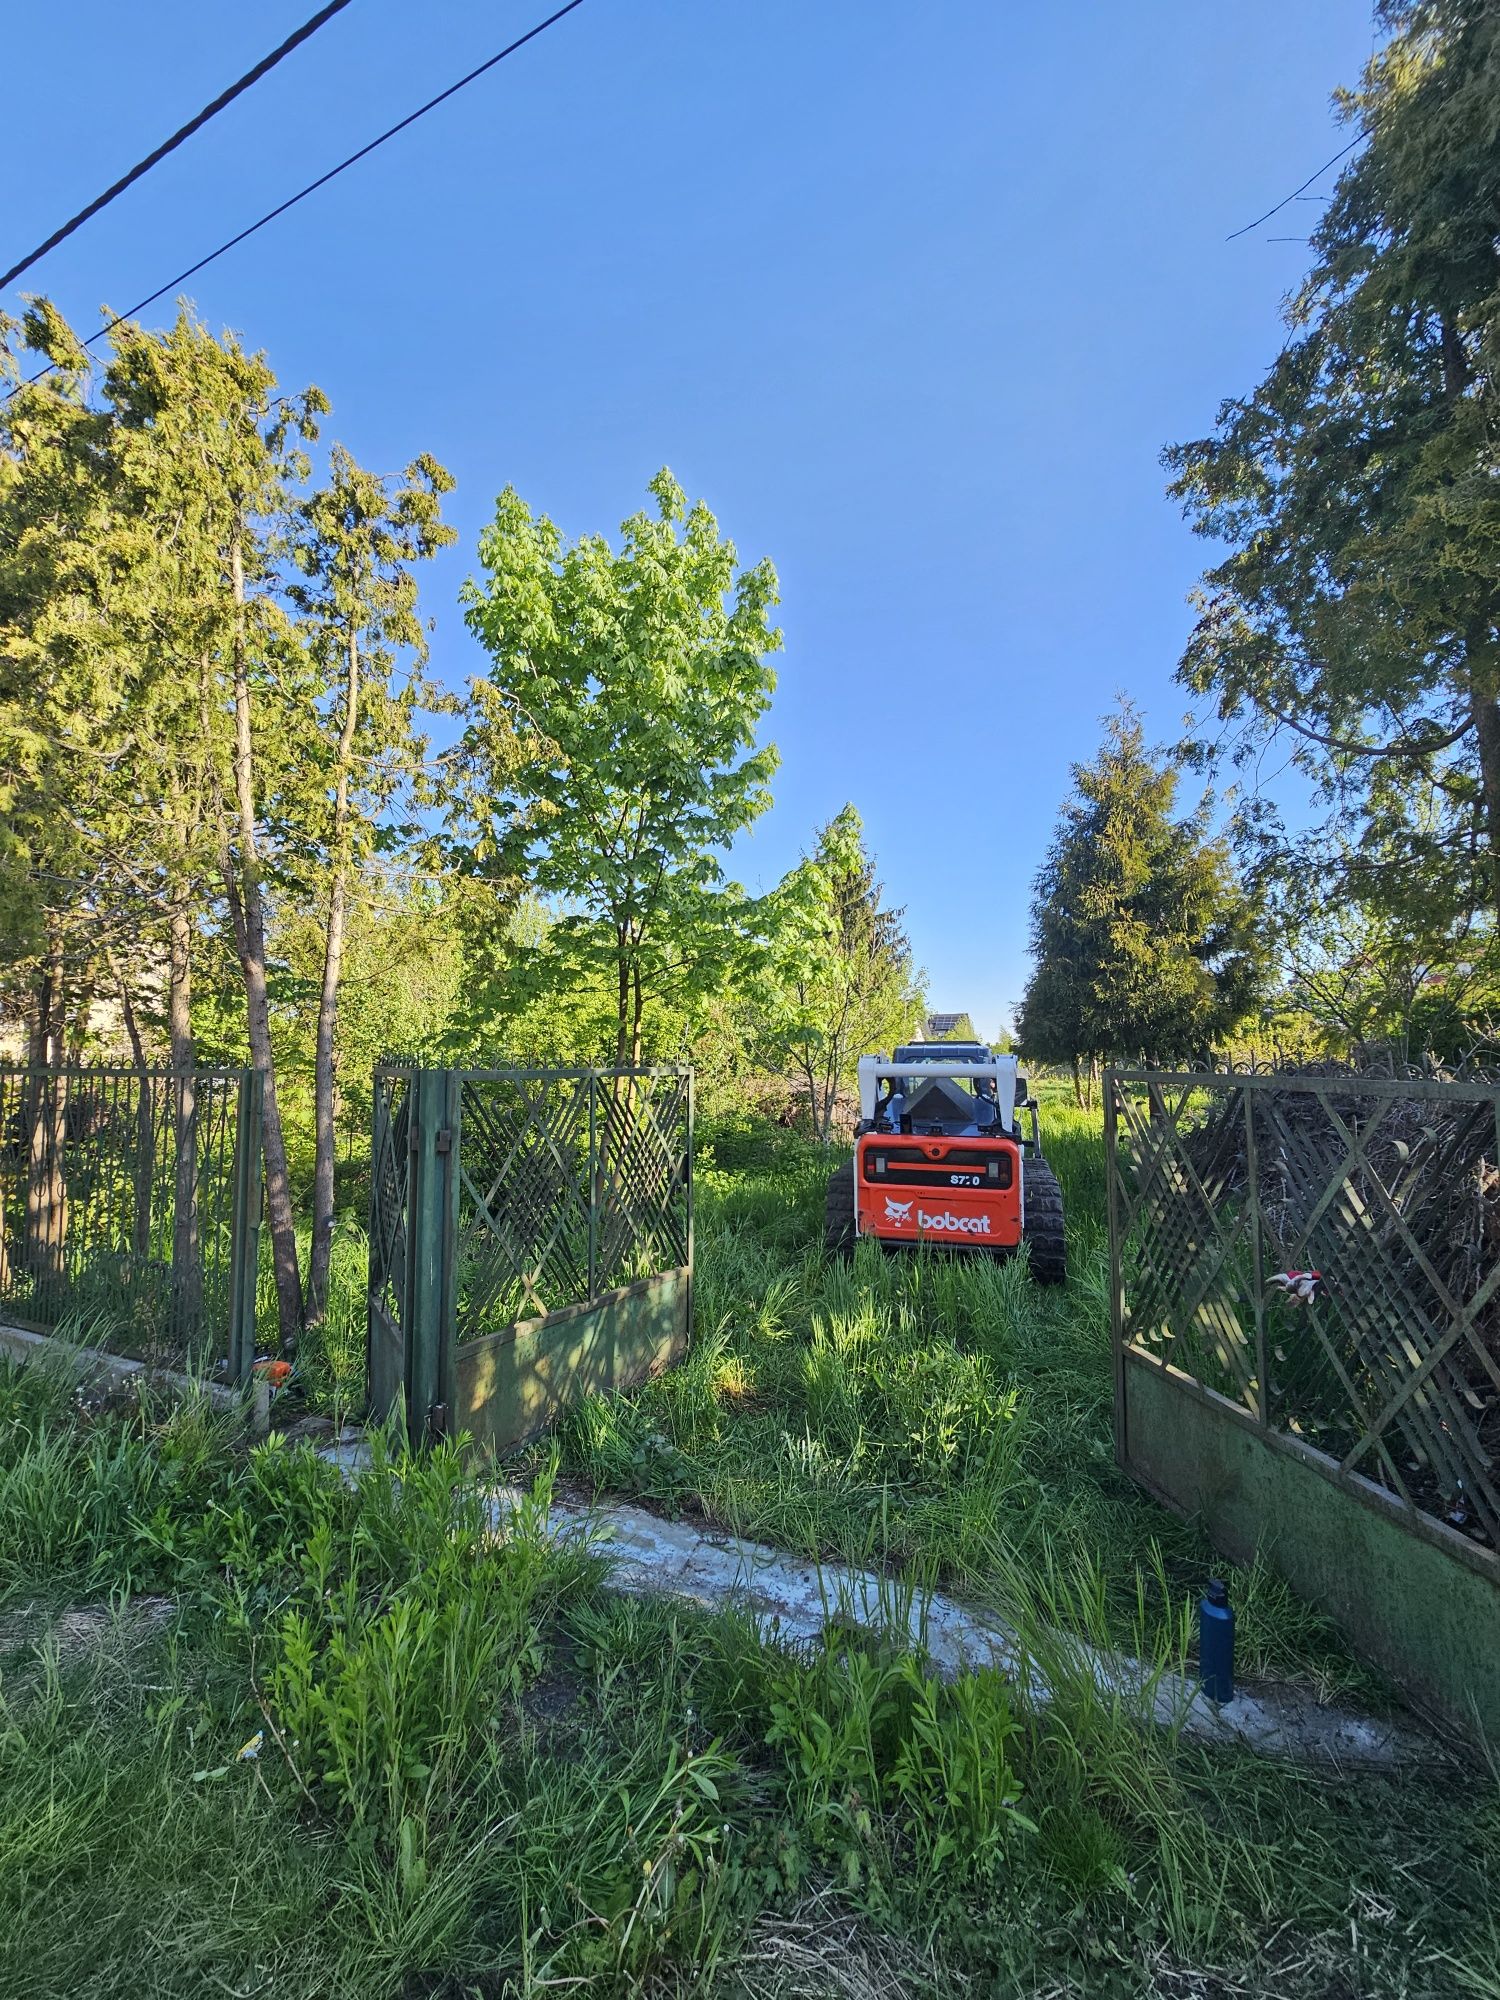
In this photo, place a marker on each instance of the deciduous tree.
(841, 983)
(611, 754)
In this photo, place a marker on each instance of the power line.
(1339, 155)
(193, 125)
(312, 186)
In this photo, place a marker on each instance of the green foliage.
(391, 1709)
(517, 1009)
(1375, 977)
(1146, 944)
(408, 978)
(838, 981)
(1358, 605)
(204, 718)
(866, 1731)
(355, 542)
(61, 529)
(611, 750)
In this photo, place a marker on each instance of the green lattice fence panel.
(1388, 1188)
(1189, 1232)
(530, 1240)
(570, 1184)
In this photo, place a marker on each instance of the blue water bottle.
(1216, 1643)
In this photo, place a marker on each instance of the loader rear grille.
(955, 1167)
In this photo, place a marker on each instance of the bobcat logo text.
(943, 1221)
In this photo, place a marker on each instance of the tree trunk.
(47, 1189)
(244, 889)
(829, 1094)
(328, 1003)
(622, 997)
(323, 1141)
(1486, 712)
(1078, 1083)
(810, 1078)
(145, 1121)
(28, 1110)
(637, 1011)
(46, 1186)
(187, 1272)
(82, 1010)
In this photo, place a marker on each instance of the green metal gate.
(531, 1241)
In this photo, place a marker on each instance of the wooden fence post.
(1116, 1255)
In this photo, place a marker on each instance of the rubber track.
(1044, 1225)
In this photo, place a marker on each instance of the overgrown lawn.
(471, 1771)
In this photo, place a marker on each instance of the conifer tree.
(1357, 611)
(1146, 944)
(355, 542)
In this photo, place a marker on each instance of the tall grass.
(933, 1413)
(331, 1355)
(264, 1731)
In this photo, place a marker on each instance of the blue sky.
(912, 295)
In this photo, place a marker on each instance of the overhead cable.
(193, 125)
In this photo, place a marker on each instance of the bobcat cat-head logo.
(896, 1211)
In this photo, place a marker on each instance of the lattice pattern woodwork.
(1389, 1190)
(569, 1185)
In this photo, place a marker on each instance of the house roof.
(940, 1026)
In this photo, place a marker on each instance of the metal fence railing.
(390, 1276)
(1384, 1370)
(129, 1210)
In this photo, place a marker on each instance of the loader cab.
(940, 1105)
(922, 1088)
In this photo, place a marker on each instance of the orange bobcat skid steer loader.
(940, 1157)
